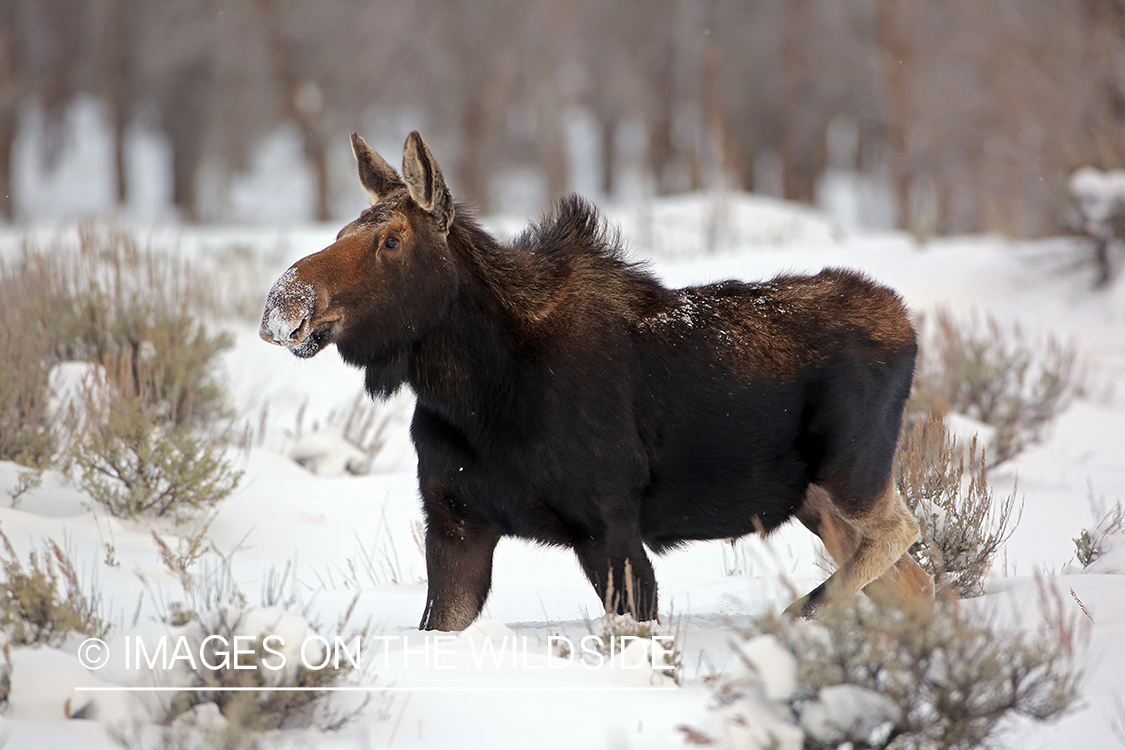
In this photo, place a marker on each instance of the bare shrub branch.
(107, 302)
(997, 375)
(32, 607)
(217, 607)
(364, 424)
(1091, 544)
(963, 527)
(889, 678)
(133, 463)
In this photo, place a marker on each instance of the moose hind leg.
(871, 548)
(904, 581)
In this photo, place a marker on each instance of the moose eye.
(390, 243)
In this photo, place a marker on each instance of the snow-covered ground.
(340, 535)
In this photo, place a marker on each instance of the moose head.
(386, 279)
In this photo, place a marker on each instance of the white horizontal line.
(373, 689)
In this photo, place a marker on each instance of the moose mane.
(570, 257)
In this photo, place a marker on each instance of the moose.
(564, 395)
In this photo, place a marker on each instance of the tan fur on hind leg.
(904, 581)
(869, 549)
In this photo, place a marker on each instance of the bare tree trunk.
(1102, 50)
(110, 23)
(476, 150)
(317, 154)
(551, 133)
(1102, 270)
(661, 107)
(896, 58)
(7, 142)
(796, 178)
(550, 109)
(488, 73)
(607, 106)
(302, 105)
(607, 123)
(716, 151)
(186, 154)
(10, 86)
(552, 143)
(739, 158)
(184, 116)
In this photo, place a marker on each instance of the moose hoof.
(801, 608)
(808, 607)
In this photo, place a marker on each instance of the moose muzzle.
(289, 310)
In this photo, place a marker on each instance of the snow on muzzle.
(289, 308)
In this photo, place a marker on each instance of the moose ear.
(425, 182)
(377, 177)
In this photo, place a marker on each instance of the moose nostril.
(290, 305)
(280, 328)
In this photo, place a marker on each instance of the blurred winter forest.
(939, 117)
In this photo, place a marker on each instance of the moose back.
(565, 396)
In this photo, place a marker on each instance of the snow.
(33, 697)
(772, 665)
(753, 713)
(342, 535)
(963, 429)
(1099, 196)
(686, 313)
(327, 455)
(846, 713)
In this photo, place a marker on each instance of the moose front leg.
(458, 563)
(621, 574)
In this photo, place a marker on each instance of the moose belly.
(712, 502)
(725, 461)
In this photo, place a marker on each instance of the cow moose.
(565, 396)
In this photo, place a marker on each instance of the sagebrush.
(25, 422)
(996, 374)
(216, 610)
(135, 463)
(890, 678)
(137, 316)
(1091, 544)
(615, 633)
(1098, 213)
(145, 428)
(963, 524)
(43, 600)
(363, 423)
